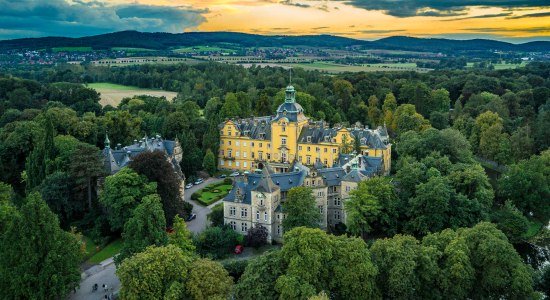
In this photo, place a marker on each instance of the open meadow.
(112, 94)
(331, 67)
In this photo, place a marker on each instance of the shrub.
(235, 268)
(195, 196)
(217, 242)
(228, 181)
(257, 236)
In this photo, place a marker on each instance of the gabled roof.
(354, 176)
(332, 176)
(265, 184)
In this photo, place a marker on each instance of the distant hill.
(162, 41)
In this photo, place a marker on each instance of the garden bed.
(212, 193)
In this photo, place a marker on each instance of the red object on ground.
(239, 249)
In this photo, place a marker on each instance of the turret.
(107, 142)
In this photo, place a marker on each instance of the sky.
(507, 20)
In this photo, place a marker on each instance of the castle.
(289, 150)
(119, 157)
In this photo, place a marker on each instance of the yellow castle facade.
(289, 136)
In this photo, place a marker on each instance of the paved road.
(106, 275)
(200, 223)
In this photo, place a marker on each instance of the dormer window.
(308, 139)
(327, 138)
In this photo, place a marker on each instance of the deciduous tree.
(300, 209)
(208, 280)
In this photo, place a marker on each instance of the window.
(230, 163)
(268, 146)
(221, 142)
(308, 160)
(229, 132)
(257, 216)
(252, 154)
(308, 148)
(261, 145)
(262, 202)
(284, 128)
(233, 225)
(348, 188)
(337, 214)
(252, 144)
(325, 162)
(237, 154)
(244, 227)
(229, 153)
(326, 150)
(308, 139)
(221, 152)
(244, 154)
(232, 211)
(244, 144)
(245, 164)
(337, 201)
(237, 143)
(279, 230)
(260, 156)
(244, 212)
(237, 164)
(320, 209)
(300, 148)
(334, 150)
(265, 216)
(283, 141)
(269, 156)
(222, 162)
(317, 149)
(229, 143)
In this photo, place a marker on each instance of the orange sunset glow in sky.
(513, 20)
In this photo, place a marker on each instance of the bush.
(257, 236)
(228, 181)
(217, 242)
(235, 268)
(195, 196)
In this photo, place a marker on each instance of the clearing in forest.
(112, 94)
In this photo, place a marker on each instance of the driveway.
(104, 273)
(201, 222)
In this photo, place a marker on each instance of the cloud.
(535, 15)
(437, 8)
(35, 18)
(291, 3)
(537, 29)
(319, 28)
(488, 16)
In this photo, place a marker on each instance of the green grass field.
(110, 250)
(202, 49)
(112, 94)
(339, 68)
(71, 49)
(213, 193)
(129, 49)
(501, 65)
(112, 86)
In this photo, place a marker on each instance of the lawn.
(110, 250)
(112, 94)
(212, 193)
(71, 49)
(339, 68)
(202, 49)
(129, 49)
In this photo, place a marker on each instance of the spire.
(290, 82)
(266, 184)
(107, 142)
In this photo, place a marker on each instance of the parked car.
(188, 186)
(235, 174)
(191, 217)
(239, 249)
(222, 176)
(246, 173)
(199, 181)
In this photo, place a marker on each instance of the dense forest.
(470, 180)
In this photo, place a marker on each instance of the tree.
(439, 101)
(216, 216)
(429, 209)
(263, 106)
(346, 147)
(209, 162)
(257, 236)
(230, 107)
(259, 277)
(212, 108)
(511, 221)
(374, 112)
(406, 118)
(521, 144)
(85, 167)
(208, 280)
(527, 185)
(122, 126)
(56, 192)
(182, 237)
(146, 227)
(155, 166)
(154, 273)
(300, 209)
(122, 192)
(373, 206)
(192, 160)
(405, 268)
(50, 266)
(40, 158)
